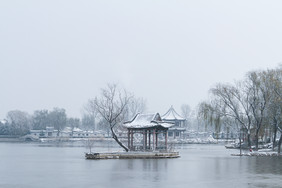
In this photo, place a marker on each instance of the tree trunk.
(94, 124)
(240, 144)
(274, 138)
(279, 144)
(257, 132)
(249, 140)
(117, 140)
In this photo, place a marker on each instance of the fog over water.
(60, 53)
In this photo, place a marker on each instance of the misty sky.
(59, 53)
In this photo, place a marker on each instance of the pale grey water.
(41, 165)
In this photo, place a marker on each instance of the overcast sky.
(59, 53)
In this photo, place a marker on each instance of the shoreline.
(97, 139)
(259, 154)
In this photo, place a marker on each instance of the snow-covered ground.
(259, 154)
(207, 140)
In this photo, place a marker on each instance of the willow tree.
(236, 104)
(274, 108)
(260, 95)
(111, 105)
(213, 113)
(206, 113)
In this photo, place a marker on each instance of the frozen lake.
(50, 165)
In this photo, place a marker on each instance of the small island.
(153, 128)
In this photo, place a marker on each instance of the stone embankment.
(132, 155)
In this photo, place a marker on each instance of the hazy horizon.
(60, 53)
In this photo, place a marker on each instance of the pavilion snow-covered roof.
(172, 115)
(141, 121)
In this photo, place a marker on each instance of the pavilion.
(179, 123)
(150, 126)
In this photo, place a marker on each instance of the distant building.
(178, 129)
(66, 132)
(49, 132)
(3, 121)
(75, 133)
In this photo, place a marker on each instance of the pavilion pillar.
(128, 138)
(146, 139)
(144, 142)
(156, 139)
(154, 135)
(166, 140)
(131, 140)
(149, 140)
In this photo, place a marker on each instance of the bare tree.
(253, 103)
(258, 100)
(274, 108)
(19, 122)
(236, 104)
(111, 105)
(186, 113)
(58, 119)
(40, 119)
(89, 144)
(135, 105)
(91, 109)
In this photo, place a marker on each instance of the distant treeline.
(20, 123)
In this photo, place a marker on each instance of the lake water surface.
(63, 165)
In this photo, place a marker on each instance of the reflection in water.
(264, 171)
(199, 166)
(130, 164)
(154, 164)
(266, 165)
(139, 170)
(154, 169)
